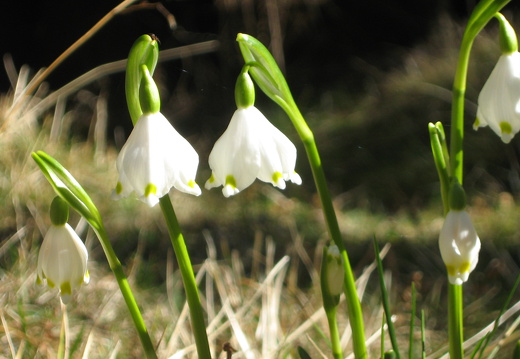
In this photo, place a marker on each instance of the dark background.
(331, 48)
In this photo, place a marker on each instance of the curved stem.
(188, 278)
(353, 303)
(135, 313)
(457, 109)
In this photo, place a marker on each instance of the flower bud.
(62, 260)
(459, 245)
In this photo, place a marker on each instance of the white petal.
(236, 152)
(251, 147)
(156, 157)
(499, 100)
(62, 260)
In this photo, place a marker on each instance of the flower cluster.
(156, 158)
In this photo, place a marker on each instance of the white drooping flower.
(250, 148)
(459, 245)
(62, 261)
(499, 100)
(154, 159)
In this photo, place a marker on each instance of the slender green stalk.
(484, 11)
(337, 352)
(124, 287)
(353, 303)
(412, 323)
(423, 335)
(456, 330)
(190, 285)
(386, 302)
(63, 333)
(271, 81)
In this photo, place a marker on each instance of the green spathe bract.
(144, 51)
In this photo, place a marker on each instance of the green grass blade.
(412, 320)
(502, 310)
(386, 302)
(423, 335)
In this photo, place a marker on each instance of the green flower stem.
(353, 303)
(269, 77)
(337, 352)
(455, 307)
(124, 287)
(484, 12)
(190, 285)
(456, 330)
(66, 186)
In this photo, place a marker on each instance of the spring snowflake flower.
(250, 148)
(62, 261)
(459, 245)
(154, 159)
(499, 100)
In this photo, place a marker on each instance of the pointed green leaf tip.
(149, 97)
(508, 39)
(244, 90)
(59, 211)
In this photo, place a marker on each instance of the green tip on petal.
(505, 127)
(150, 189)
(119, 188)
(276, 177)
(50, 283)
(230, 181)
(465, 267)
(451, 270)
(211, 178)
(192, 183)
(65, 288)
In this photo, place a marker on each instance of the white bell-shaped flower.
(499, 100)
(459, 245)
(154, 159)
(251, 147)
(62, 261)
